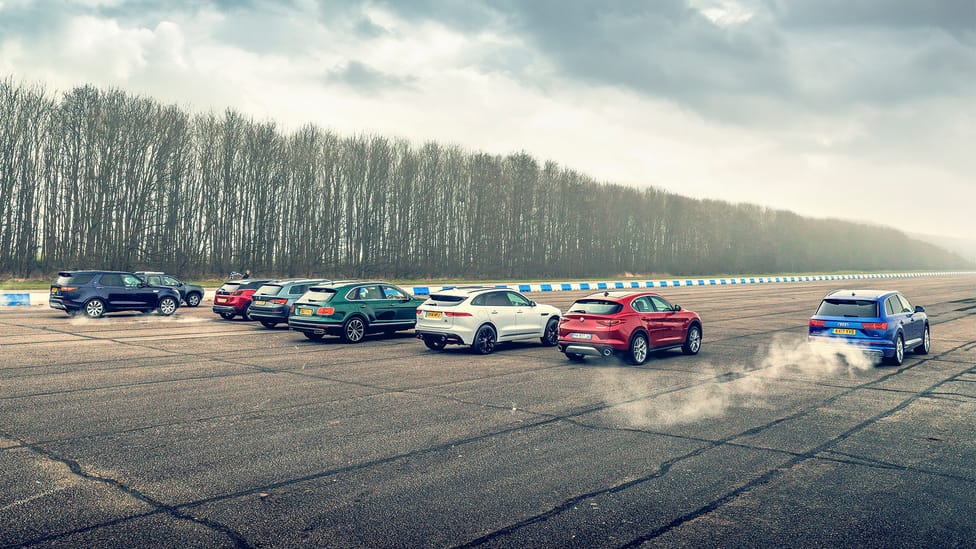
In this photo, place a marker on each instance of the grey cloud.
(365, 78)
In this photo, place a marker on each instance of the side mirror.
(676, 308)
(919, 309)
(531, 303)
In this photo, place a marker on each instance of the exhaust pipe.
(607, 352)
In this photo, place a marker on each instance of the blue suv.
(95, 293)
(882, 323)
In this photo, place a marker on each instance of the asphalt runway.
(192, 431)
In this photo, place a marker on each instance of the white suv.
(481, 317)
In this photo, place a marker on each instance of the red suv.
(234, 297)
(630, 323)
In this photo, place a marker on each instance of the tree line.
(94, 178)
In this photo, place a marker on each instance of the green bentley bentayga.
(351, 309)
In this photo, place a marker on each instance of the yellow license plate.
(262, 302)
(844, 331)
(433, 314)
(305, 312)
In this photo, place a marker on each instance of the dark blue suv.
(882, 323)
(95, 293)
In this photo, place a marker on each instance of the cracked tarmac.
(138, 430)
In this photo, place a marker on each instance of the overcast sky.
(863, 110)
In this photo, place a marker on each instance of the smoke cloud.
(723, 388)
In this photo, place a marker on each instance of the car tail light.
(237, 292)
(278, 301)
(612, 322)
(325, 311)
(818, 323)
(419, 312)
(291, 310)
(454, 313)
(68, 288)
(874, 325)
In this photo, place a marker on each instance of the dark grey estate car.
(272, 302)
(191, 294)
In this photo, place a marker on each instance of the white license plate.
(577, 335)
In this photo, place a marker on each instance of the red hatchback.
(630, 323)
(234, 297)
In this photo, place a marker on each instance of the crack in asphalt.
(158, 506)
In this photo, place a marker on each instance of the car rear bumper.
(874, 348)
(586, 349)
(314, 327)
(448, 338)
(266, 314)
(226, 309)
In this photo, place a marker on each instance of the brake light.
(278, 301)
(609, 322)
(325, 311)
(818, 323)
(419, 312)
(874, 325)
(237, 292)
(68, 288)
(454, 313)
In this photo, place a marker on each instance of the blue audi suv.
(882, 323)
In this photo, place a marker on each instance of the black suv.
(98, 292)
(191, 294)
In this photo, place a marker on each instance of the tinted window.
(228, 287)
(131, 280)
(110, 280)
(497, 299)
(660, 304)
(170, 281)
(74, 280)
(596, 307)
(154, 280)
(364, 293)
(317, 295)
(641, 305)
(269, 289)
(390, 292)
(517, 299)
(891, 305)
(297, 289)
(854, 308)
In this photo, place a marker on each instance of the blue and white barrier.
(15, 299)
(681, 282)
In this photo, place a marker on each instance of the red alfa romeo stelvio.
(632, 324)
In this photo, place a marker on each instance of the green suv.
(351, 309)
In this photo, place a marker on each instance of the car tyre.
(550, 337)
(167, 306)
(485, 340)
(95, 308)
(313, 336)
(193, 300)
(693, 340)
(246, 313)
(269, 323)
(899, 357)
(926, 345)
(226, 316)
(638, 349)
(434, 343)
(354, 330)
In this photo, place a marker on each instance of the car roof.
(344, 283)
(92, 271)
(150, 272)
(465, 291)
(621, 295)
(859, 294)
(298, 280)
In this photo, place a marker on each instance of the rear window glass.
(269, 289)
(228, 287)
(852, 308)
(317, 295)
(77, 280)
(445, 300)
(596, 307)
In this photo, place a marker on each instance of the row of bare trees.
(105, 179)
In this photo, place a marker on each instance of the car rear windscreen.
(596, 307)
(268, 289)
(67, 279)
(228, 287)
(446, 300)
(317, 295)
(851, 308)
